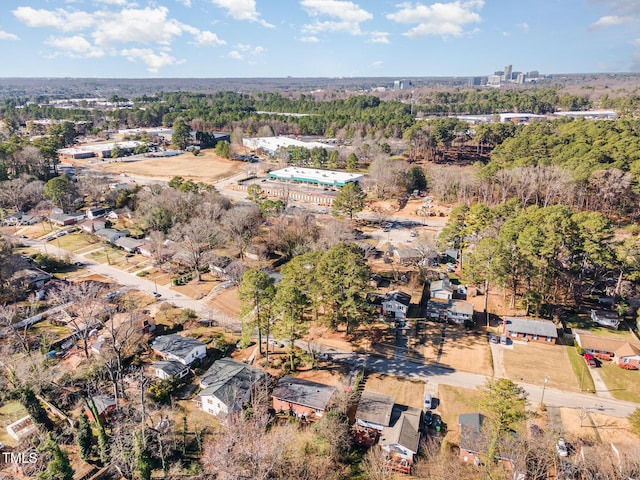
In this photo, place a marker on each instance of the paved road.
(435, 374)
(131, 280)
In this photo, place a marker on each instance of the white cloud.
(242, 10)
(242, 51)
(207, 38)
(609, 21)
(154, 61)
(7, 36)
(75, 47)
(377, 64)
(524, 26)
(346, 16)
(444, 19)
(309, 39)
(148, 25)
(379, 37)
(59, 19)
(120, 3)
(186, 3)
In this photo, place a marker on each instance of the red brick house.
(302, 398)
(530, 330)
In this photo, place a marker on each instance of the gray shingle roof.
(177, 345)
(375, 408)
(303, 392)
(398, 296)
(531, 327)
(472, 438)
(405, 430)
(170, 367)
(229, 380)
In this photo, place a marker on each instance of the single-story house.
(182, 349)
(228, 384)
(302, 398)
(401, 439)
(474, 443)
(92, 226)
(96, 212)
(110, 234)
(20, 218)
(105, 405)
(64, 219)
(628, 354)
(32, 278)
(441, 289)
(374, 410)
(407, 256)
(530, 330)
(396, 303)
(166, 369)
(459, 311)
(605, 318)
(472, 439)
(129, 244)
(623, 351)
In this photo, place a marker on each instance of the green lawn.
(75, 242)
(9, 413)
(623, 384)
(580, 369)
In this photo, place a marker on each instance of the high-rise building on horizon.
(507, 72)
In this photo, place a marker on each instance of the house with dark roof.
(302, 398)
(530, 330)
(401, 438)
(92, 226)
(605, 318)
(181, 349)
(166, 369)
(396, 303)
(472, 438)
(96, 212)
(228, 384)
(374, 410)
(105, 406)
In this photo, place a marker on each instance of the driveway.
(601, 388)
(497, 355)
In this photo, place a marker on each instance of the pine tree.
(84, 437)
(143, 458)
(59, 467)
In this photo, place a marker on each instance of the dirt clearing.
(205, 167)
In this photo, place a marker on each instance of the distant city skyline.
(315, 38)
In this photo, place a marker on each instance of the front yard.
(623, 384)
(532, 363)
(466, 350)
(404, 391)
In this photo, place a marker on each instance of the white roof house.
(315, 176)
(605, 318)
(441, 289)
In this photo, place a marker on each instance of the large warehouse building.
(272, 144)
(315, 176)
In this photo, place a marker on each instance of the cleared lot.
(205, 167)
(466, 350)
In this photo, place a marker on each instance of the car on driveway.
(493, 338)
(590, 360)
(156, 294)
(428, 418)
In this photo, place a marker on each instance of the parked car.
(428, 418)
(493, 338)
(156, 294)
(590, 359)
(561, 448)
(504, 340)
(428, 401)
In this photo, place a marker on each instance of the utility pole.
(544, 385)
(143, 384)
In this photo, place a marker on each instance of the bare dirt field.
(405, 392)
(596, 427)
(227, 302)
(531, 363)
(466, 350)
(205, 167)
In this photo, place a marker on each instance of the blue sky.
(315, 38)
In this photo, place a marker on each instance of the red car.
(591, 361)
